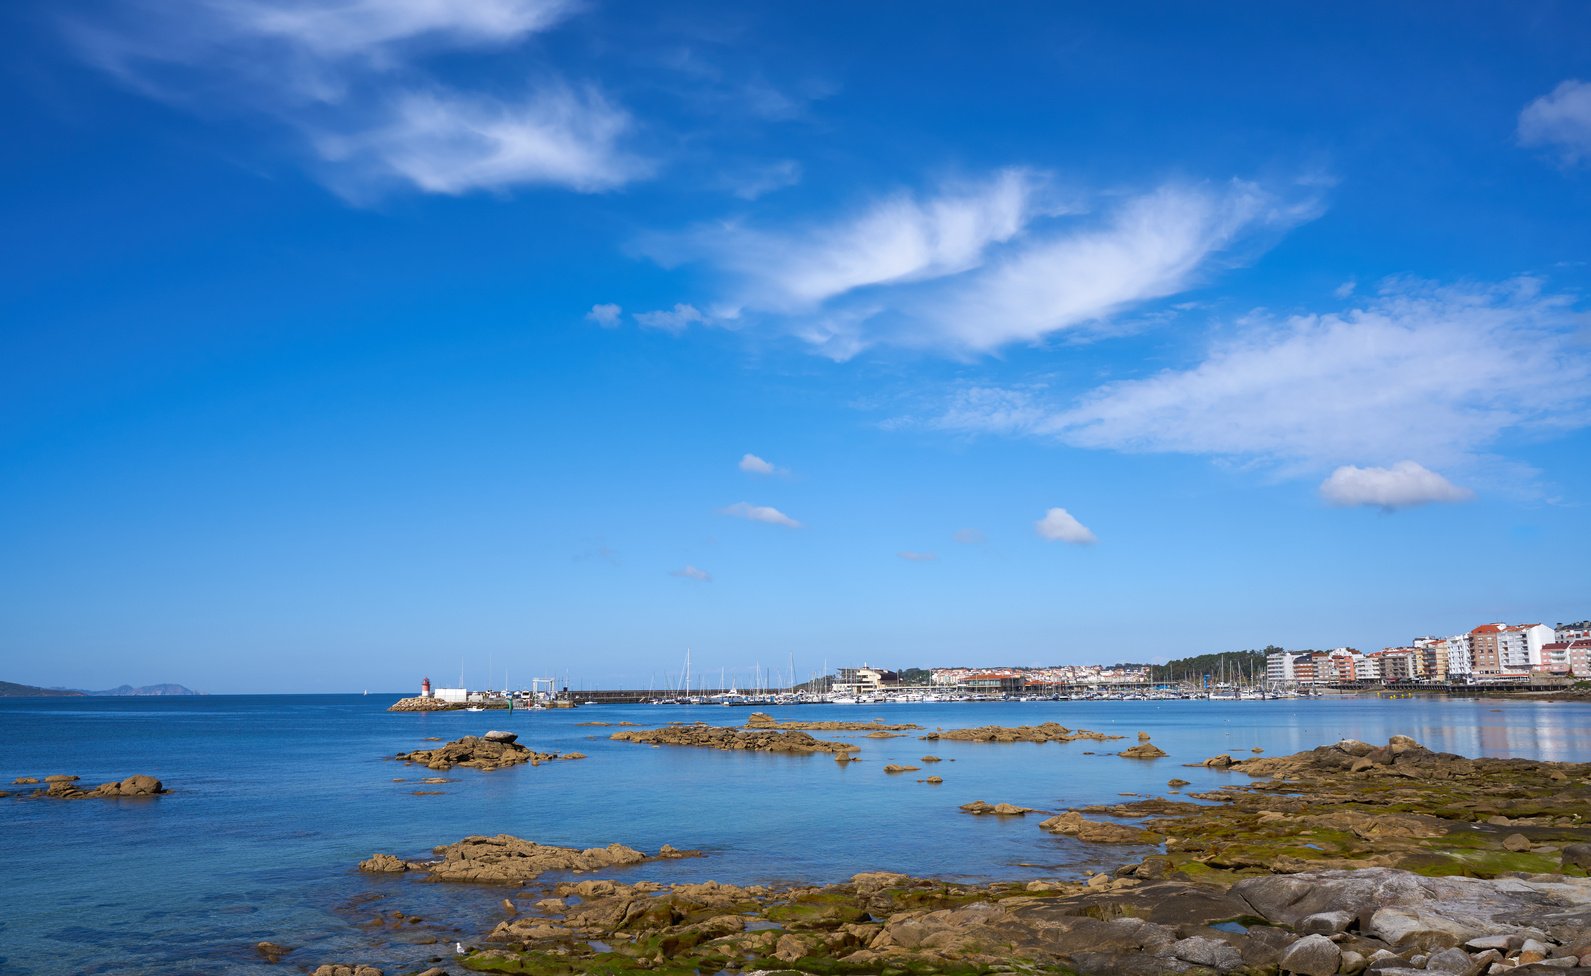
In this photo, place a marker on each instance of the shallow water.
(276, 798)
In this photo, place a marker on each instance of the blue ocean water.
(276, 798)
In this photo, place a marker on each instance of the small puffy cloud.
(752, 464)
(1058, 525)
(676, 319)
(759, 513)
(606, 316)
(970, 537)
(692, 573)
(1345, 289)
(1402, 485)
(917, 557)
(1561, 120)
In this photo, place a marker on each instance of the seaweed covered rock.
(1046, 732)
(1074, 824)
(505, 859)
(748, 739)
(480, 752)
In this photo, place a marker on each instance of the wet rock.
(25, 781)
(929, 759)
(934, 780)
(1313, 955)
(1176, 783)
(1222, 761)
(346, 970)
(1144, 750)
(271, 952)
(59, 778)
(896, 768)
(998, 809)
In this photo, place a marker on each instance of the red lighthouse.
(425, 688)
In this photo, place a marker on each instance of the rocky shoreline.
(1348, 859)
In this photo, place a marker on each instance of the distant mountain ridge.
(10, 689)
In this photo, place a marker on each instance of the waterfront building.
(1572, 656)
(1281, 667)
(1508, 650)
(864, 681)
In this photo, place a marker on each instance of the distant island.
(10, 689)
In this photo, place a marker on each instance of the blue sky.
(349, 342)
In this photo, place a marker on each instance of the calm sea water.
(276, 798)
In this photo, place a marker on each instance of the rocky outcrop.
(481, 752)
(65, 788)
(981, 808)
(762, 720)
(1047, 732)
(344, 969)
(717, 737)
(505, 859)
(1143, 750)
(1074, 824)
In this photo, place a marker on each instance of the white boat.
(475, 708)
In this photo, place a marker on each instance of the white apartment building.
(1279, 666)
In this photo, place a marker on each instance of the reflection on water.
(277, 798)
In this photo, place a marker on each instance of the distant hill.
(125, 690)
(10, 690)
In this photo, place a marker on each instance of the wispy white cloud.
(444, 142)
(1152, 246)
(606, 315)
(676, 319)
(1059, 525)
(1436, 374)
(981, 264)
(1402, 485)
(1560, 120)
(970, 537)
(917, 557)
(752, 464)
(351, 78)
(758, 181)
(901, 238)
(692, 573)
(759, 513)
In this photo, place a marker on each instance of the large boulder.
(1313, 955)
